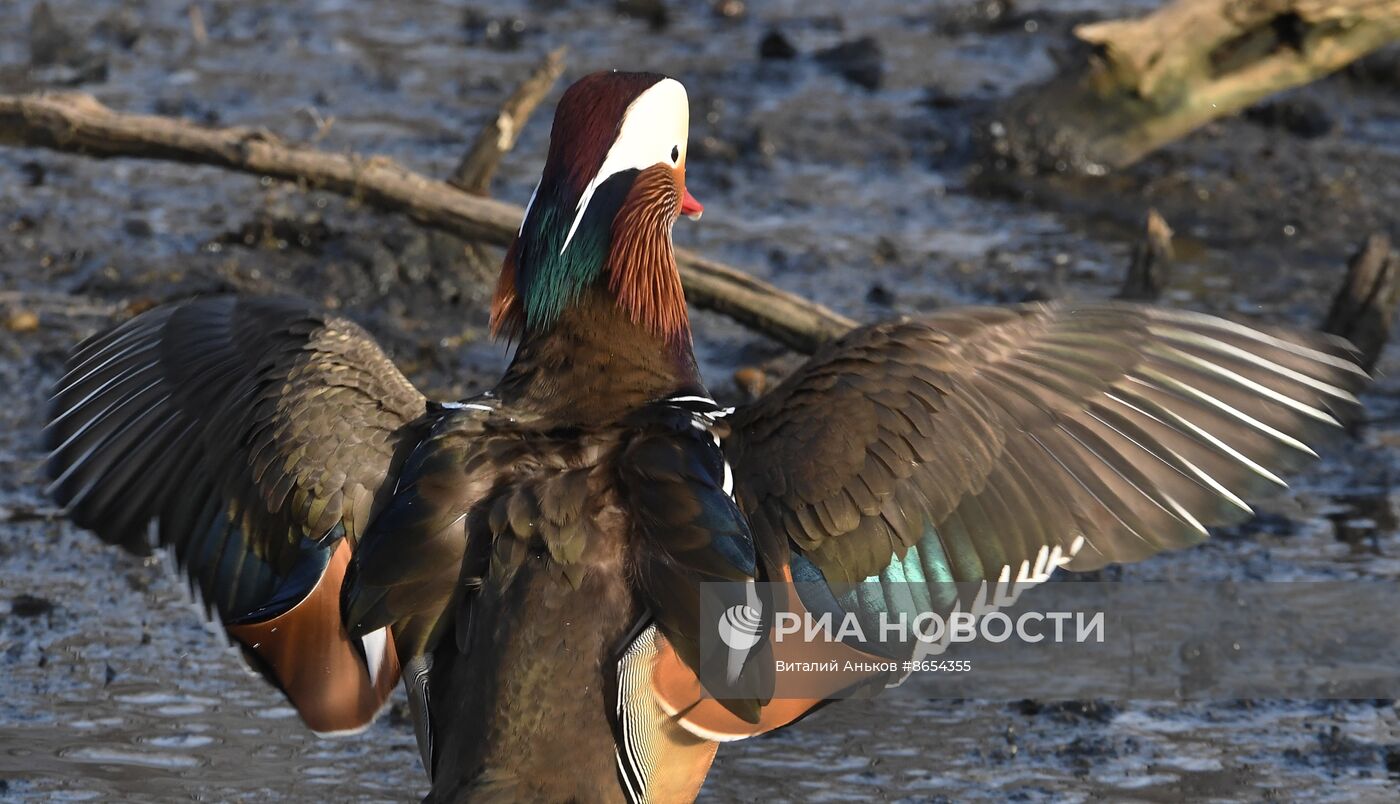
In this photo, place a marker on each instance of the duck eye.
(675, 153)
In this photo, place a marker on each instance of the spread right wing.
(990, 446)
(973, 443)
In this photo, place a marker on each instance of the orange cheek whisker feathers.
(642, 264)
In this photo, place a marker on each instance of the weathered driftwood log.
(1365, 305)
(498, 136)
(80, 124)
(1150, 269)
(1142, 83)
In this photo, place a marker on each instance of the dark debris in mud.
(1070, 711)
(1381, 68)
(774, 45)
(1336, 751)
(279, 233)
(25, 605)
(57, 55)
(1301, 117)
(655, 13)
(499, 32)
(859, 61)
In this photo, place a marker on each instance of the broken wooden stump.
(1365, 305)
(1150, 269)
(1135, 85)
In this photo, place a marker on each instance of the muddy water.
(111, 687)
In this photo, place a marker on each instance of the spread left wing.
(262, 436)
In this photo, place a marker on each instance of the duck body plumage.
(532, 557)
(515, 553)
(530, 561)
(512, 558)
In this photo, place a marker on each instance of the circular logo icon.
(740, 627)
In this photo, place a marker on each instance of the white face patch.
(654, 131)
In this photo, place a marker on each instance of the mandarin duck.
(529, 561)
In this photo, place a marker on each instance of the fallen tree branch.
(498, 136)
(78, 123)
(1145, 82)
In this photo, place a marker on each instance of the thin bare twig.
(64, 303)
(469, 260)
(29, 513)
(498, 136)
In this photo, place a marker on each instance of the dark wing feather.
(408, 570)
(689, 532)
(988, 444)
(260, 435)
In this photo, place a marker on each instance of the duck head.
(601, 215)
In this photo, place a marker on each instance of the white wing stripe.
(1200, 474)
(374, 644)
(1185, 358)
(1212, 322)
(1006, 592)
(76, 463)
(701, 399)
(116, 379)
(1177, 385)
(1215, 442)
(109, 352)
(1230, 350)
